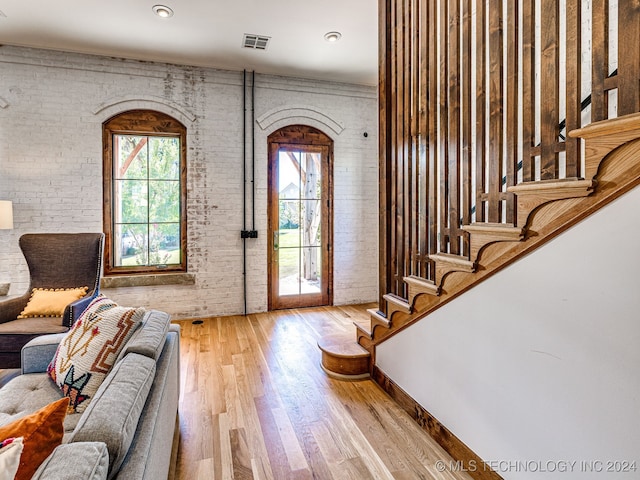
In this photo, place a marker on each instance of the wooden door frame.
(298, 137)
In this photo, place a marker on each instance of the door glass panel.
(289, 175)
(289, 218)
(310, 219)
(289, 260)
(299, 207)
(310, 271)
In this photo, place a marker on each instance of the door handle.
(276, 240)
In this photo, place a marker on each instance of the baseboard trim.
(472, 463)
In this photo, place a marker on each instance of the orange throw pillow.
(42, 432)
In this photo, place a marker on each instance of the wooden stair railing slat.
(629, 63)
(599, 59)
(573, 43)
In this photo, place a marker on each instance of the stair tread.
(364, 329)
(553, 185)
(416, 279)
(421, 285)
(448, 258)
(397, 300)
(608, 126)
(374, 312)
(376, 316)
(341, 346)
(491, 227)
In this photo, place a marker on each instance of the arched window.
(144, 193)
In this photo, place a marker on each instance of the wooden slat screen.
(477, 96)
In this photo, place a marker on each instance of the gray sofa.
(128, 429)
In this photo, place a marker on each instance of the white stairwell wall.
(536, 369)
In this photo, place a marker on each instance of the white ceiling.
(208, 33)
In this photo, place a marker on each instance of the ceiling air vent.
(257, 42)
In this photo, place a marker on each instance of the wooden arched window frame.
(144, 188)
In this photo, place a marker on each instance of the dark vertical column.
(433, 132)
(384, 139)
(574, 85)
(599, 59)
(452, 49)
(445, 231)
(496, 103)
(628, 57)
(481, 105)
(528, 89)
(512, 107)
(549, 85)
(467, 100)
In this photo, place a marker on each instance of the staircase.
(546, 208)
(475, 172)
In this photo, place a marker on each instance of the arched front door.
(300, 226)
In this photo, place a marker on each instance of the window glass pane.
(164, 201)
(164, 158)
(130, 156)
(163, 244)
(167, 238)
(131, 201)
(130, 245)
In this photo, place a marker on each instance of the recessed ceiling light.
(332, 36)
(162, 11)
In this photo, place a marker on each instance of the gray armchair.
(55, 260)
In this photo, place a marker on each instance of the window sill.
(148, 280)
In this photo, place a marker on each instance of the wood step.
(364, 332)
(531, 195)
(483, 234)
(377, 318)
(418, 285)
(397, 303)
(447, 263)
(343, 358)
(603, 137)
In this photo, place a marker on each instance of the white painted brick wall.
(51, 167)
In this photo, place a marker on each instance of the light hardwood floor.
(255, 404)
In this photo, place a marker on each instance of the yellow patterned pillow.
(51, 302)
(88, 351)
